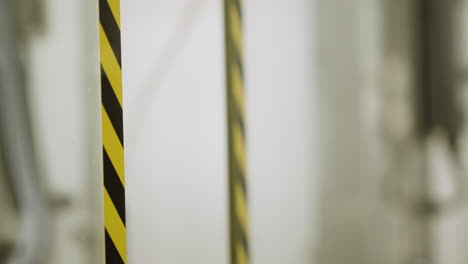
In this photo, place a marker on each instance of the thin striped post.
(112, 132)
(238, 209)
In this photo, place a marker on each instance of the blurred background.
(357, 147)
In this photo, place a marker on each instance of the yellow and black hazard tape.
(239, 229)
(112, 132)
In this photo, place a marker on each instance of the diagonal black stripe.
(237, 60)
(235, 114)
(240, 122)
(233, 52)
(237, 234)
(238, 7)
(240, 177)
(112, 255)
(114, 186)
(112, 106)
(110, 28)
(238, 118)
(243, 239)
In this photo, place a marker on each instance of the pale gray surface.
(353, 226)
(176, 156)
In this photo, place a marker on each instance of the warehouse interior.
(356, 143)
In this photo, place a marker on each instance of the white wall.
(175, 131)
(174, 135)
(282, 118)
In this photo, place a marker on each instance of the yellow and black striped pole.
(112, 132)
(239, 229)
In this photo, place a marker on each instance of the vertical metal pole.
(239, 242)
(112, 132)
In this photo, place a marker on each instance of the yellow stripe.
(239, 148)
(112, 144)
(115, 8)
(115, 226)
(111, 65)
(241, 255)
(241, 208)
(235, 27)
(237, 88)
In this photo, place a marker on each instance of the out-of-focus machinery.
(421, 106)
(422, 103)
(391, 183)
(24, 235)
